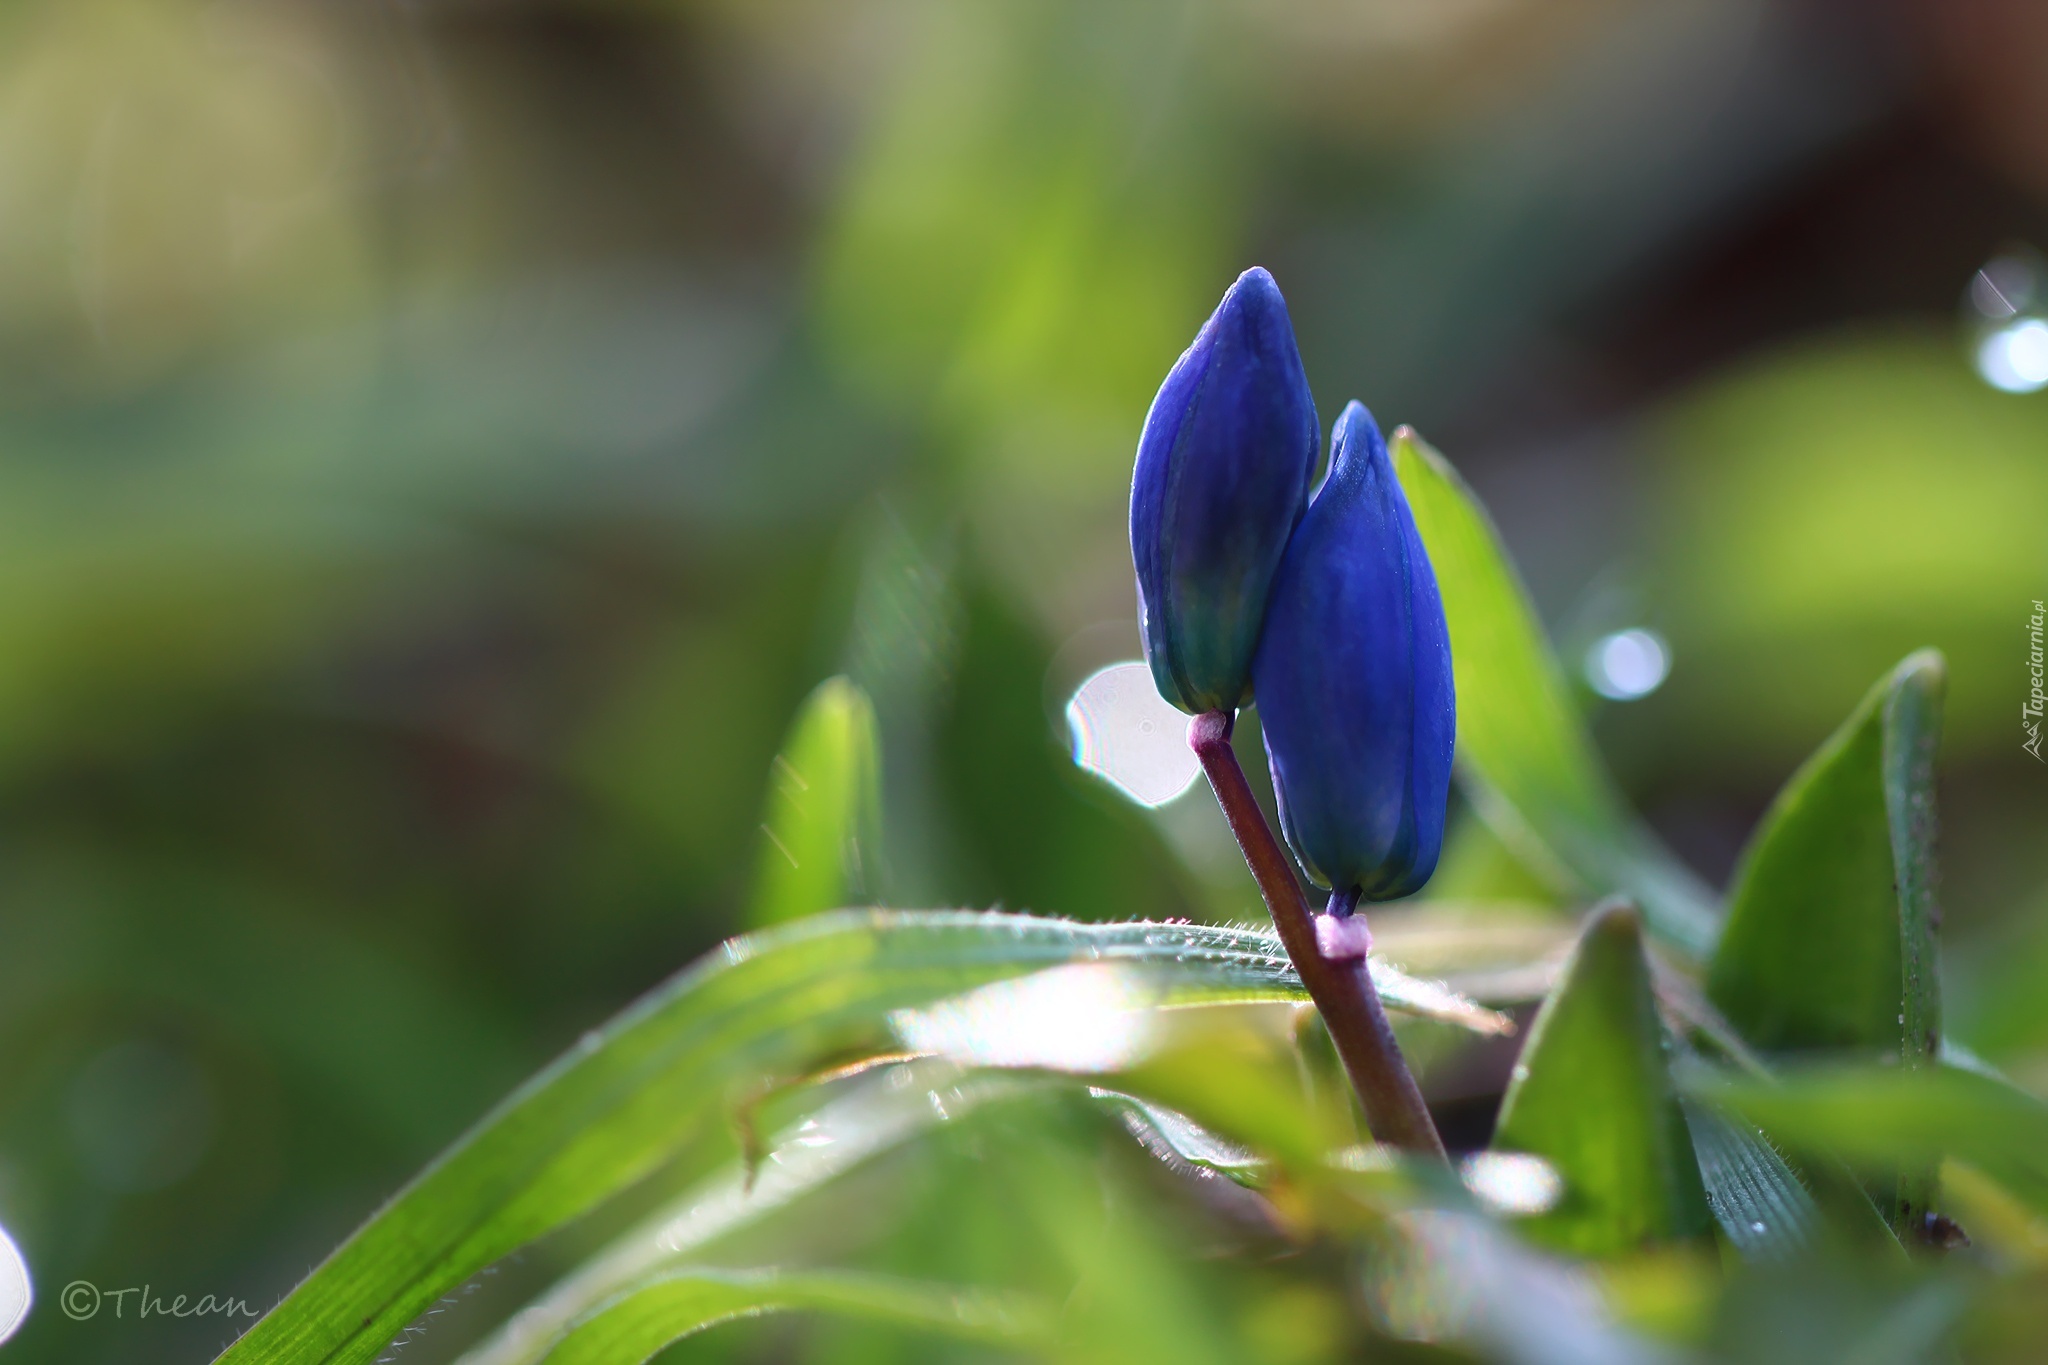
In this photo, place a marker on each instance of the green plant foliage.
(1754, 1195)
(1879, 1118)
(1532, 771)
(880, 1111)
(635, 1093)
(1812, 955)
(821, 833)
(641, 1321)
(1592, 1095)
(1830, 942)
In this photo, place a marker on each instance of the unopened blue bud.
(1354, 680)
(1222, 477)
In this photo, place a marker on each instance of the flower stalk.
(1340, 984)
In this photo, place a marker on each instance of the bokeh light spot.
(1511, 1184)
(1088, 1017)
(16, 1293)
(2014, 359)
(1628, 664)
(1125, 732)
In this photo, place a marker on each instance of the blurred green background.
(441, 441)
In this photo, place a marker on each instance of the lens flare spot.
(1511, 1184)
(1126, 733)
(16, 1293)
(2014, 359)
(1087, 1017)
(1628, 664)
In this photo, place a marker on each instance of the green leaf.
(1592, 1095)
(779, 1004)
(1813, 952)
(873, 1113)
(1753, 1194)
(1885, 1117)
(634, 1325)
(1830, 941)
(1529, 764)
(821, 832)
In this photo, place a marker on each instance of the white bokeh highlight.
(1088, 1017)
(2014, 359)
(16, 1293)
(1628, 664)
(1511, 1184)
(1126, 733)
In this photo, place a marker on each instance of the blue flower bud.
(1354, 680)
(1223, 473)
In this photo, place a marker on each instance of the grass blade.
(636, 1324)
(878, 1113)
(821, 832)
(1753, 1194)
(1830, 939)
(780, 1004)
(1885, 1117)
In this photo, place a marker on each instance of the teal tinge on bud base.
(1222, 477)
(1353, 676)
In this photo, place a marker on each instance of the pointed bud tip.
(1254, 295)
(1618, 917)
(1929, 667)
(1256, 277)
(1355, 435)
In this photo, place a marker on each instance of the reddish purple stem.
(1340, 985)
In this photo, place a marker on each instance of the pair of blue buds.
(1323, 607)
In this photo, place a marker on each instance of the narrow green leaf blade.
(1885, 1117)
(639, 1322)
(779, 1004)
(1830, 936)
(1593, 1096)
(1811, 954)
(1912, 731)
(821, 832)
(1753, 1194)
(877, 1112)
(1529, 763)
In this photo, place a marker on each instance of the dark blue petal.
(1223, 470)
(1354, 680)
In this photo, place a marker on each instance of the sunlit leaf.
(878, 1112)
(634, 1325)
(1530, 767)
(1829, 942)
(1592, 1095)
(1168, 1133)
(821, 833)
(618, 1106)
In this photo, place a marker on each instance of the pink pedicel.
(1340, 940)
